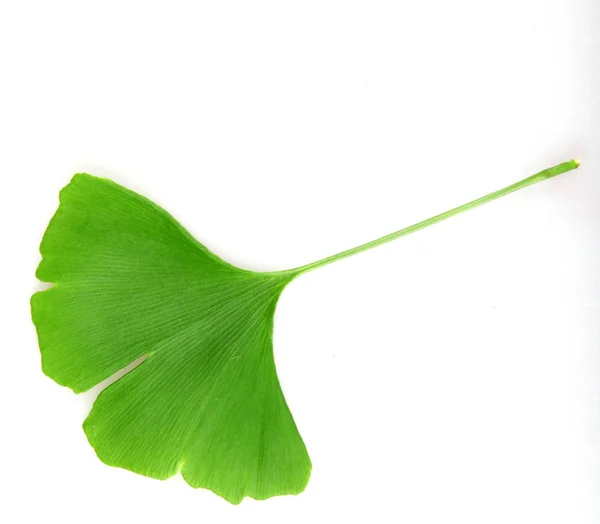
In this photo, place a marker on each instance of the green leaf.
(129, 281)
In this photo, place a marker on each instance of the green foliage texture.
(129, 282)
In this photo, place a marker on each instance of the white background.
(451, 376)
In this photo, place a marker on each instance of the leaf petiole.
(533, 179)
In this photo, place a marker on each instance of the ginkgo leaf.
(130, 281)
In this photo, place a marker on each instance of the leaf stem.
(533, 179)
